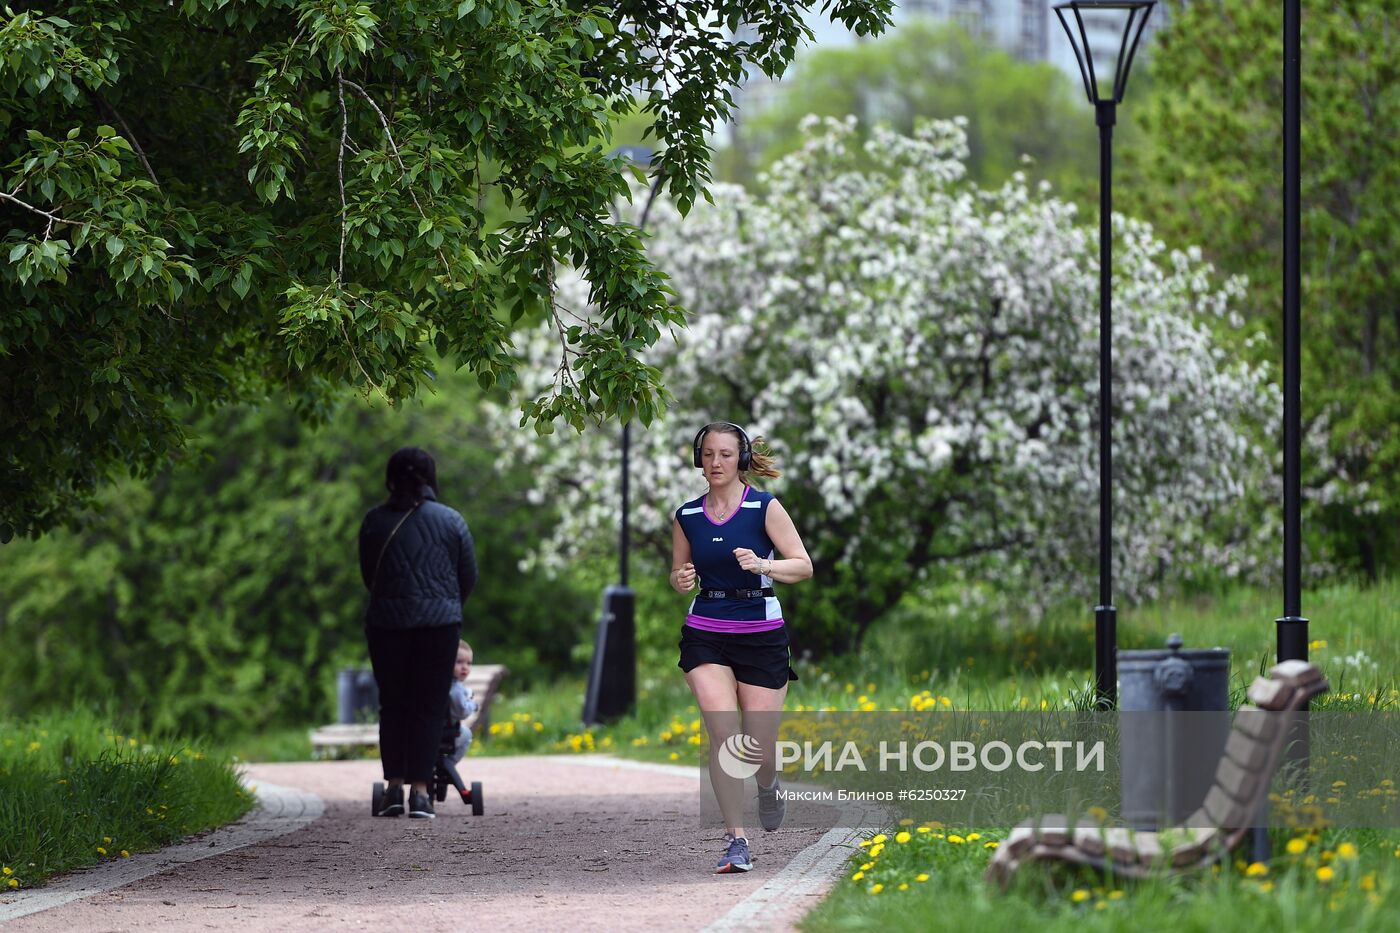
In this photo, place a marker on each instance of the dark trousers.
(413, 667)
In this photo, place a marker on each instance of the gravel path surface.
(566, 843)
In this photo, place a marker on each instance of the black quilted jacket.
(428, 569)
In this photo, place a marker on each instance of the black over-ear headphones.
(745, 445)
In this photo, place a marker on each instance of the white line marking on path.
(280, 810)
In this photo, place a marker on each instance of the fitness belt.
(737, 594)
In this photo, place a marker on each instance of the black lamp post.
(612, 676)
(1112, 66)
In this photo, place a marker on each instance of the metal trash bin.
(1173, 723)
(357, 695)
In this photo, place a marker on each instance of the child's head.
(464, 660)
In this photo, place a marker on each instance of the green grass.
(76, 792)
(290, 743)
(1359, 895)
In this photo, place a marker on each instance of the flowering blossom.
(922, 355)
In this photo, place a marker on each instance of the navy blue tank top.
(712, 545)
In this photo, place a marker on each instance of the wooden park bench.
(1253, 753)
(483, 681)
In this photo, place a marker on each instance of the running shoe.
(420, 806)
(736, 857)
(771, 807)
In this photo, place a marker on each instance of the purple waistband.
(729, 625)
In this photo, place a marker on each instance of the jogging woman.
(734, 644)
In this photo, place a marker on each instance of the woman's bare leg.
(763, 714)
(715, 692)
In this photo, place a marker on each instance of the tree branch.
(53, 218)
(340, 172)
(394, 148)
(130, 136)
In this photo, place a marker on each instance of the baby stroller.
(445, 774)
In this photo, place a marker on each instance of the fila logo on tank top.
(712, 545)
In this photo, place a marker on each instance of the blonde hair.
(762, 461)
(463, 646)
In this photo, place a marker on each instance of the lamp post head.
(1105, 71)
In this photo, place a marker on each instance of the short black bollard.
(612, 677)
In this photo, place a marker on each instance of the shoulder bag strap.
(380, 561)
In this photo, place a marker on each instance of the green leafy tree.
(209, 199)
(1213, 175)
(928, 70)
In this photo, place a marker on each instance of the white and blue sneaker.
(736, 857)
(771, 807)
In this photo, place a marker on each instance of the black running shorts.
(759, 658)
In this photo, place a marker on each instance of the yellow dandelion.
(858, 875)
(1368, 881)
(126, 854)
(990, 845)
(101, 851)
(878, 838)
(973, 837)
(921, 877)
(922, 829)
(107, 839)
(7, 870)
(904, 886)
(867, 866)
(956, 839)
(1266, 887)
(1346, 850)
(1079, 895)
(13, 882)
(1256, 870)
(876, 888)
(675, 756)
(1296, 846)
(876, 849)
(1325, 874)
(901, 837)
(1115, 895)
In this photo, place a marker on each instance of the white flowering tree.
(923, 357)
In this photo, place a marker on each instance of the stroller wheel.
(376, 798)
(477, 807)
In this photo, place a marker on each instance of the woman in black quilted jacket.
(419, 564)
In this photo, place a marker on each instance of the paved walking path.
(576, 843)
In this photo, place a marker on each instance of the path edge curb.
(280, 810)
